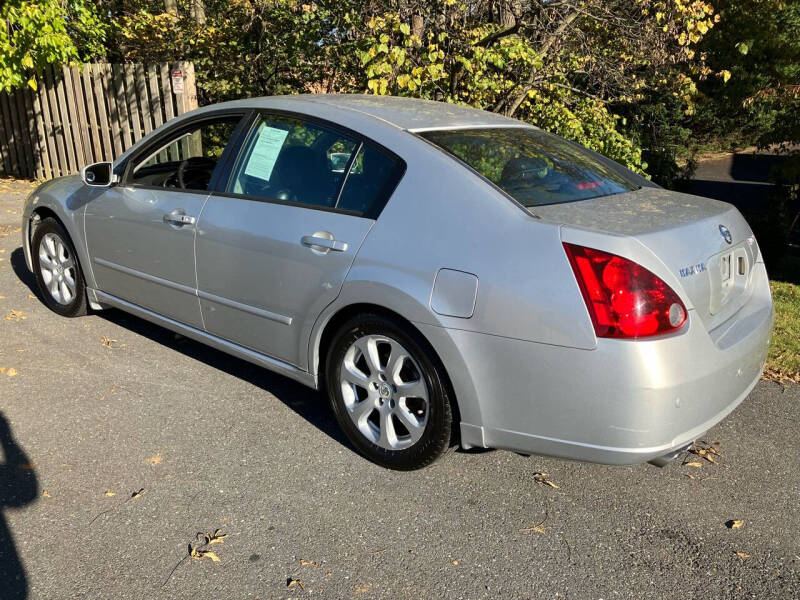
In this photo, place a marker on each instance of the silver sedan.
(447, 275)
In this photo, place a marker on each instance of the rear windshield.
(532, 166)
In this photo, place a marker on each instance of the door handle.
(178, 218)
(317, 242)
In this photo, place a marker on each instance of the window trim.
(174, 132)
(362, 141)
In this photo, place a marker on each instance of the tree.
(34, 34)
(586, 69)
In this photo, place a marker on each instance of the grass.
(783, 362)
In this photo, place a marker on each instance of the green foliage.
(619, 76)
(759, 41)
(34, 34)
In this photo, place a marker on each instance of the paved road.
(217, 443)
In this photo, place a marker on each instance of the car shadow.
(18, 488)
(308, 403)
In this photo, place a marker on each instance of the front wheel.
(388, 393)
(57, 271)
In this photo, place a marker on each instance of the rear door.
(140, 234)
(274, 248)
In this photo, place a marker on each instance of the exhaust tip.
(663, 461)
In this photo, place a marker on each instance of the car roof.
(406, 113)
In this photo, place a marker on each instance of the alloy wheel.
(384, 392)
(58, 268)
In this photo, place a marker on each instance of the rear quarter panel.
(444, 216)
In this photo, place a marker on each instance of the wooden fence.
(88, 113)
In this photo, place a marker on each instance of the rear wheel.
(58, 273)
(388, 393)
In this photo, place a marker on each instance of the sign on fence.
(88, 113)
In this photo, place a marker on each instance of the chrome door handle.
(316, 242)
(176, 218)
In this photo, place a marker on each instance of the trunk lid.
(706, 245)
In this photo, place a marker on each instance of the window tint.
(290, 160)
(188, 160)
(371, 177)
(532, 166)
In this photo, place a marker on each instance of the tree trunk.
(199, 12)
(506, 12)
(417, 25)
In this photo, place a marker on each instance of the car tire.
(389, 392)
(57, 269)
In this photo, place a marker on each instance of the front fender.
(66, 198)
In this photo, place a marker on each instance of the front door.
(275, 249)
(141, 233)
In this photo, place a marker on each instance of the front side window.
(532, 166)
(187, 161)
(290, 160)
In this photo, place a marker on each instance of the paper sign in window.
(266, 148)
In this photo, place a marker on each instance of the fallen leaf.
(108, 494)
(138, 493)
(742, 555)
(156, 460)
(690, 476)
(46, 494)
(217, 537)
(211, 538)
(15, 315)
(291, 582)
(694, 463)
(107, 342)
(535, 529)
(734, 523)
(2, 297)
(305, 563)
(538, 527)
(26, 466)
(31, 297)
(542, 478)
(363, 588)
(704, 450)
(12, 372)
(455, 563)
(201, 554)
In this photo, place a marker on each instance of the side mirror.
(99, 174)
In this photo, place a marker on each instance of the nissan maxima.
(445, 275)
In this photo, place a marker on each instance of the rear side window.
(369, 183)
(532, 166)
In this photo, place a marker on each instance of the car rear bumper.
(624, 402)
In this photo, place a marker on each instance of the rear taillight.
(624, 299)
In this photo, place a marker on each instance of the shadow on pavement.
(18, 488)
(307, 403)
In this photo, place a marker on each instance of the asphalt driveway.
(109, 404)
